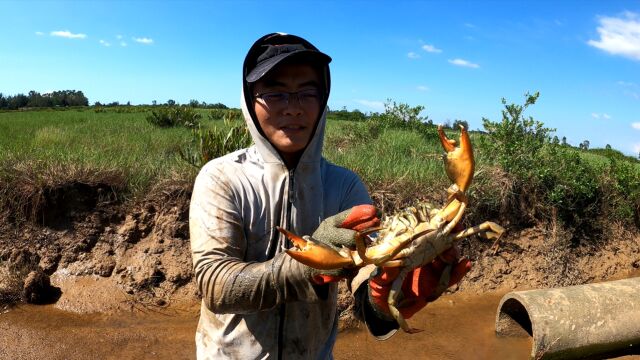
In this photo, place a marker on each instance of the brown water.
(456, 327)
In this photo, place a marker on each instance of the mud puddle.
(457, 326)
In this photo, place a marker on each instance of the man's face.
(288, 123)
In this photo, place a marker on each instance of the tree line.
(34, 99)
(401, 112)
(65, 98)
(192, 103)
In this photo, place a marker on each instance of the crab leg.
(436, 244)
(378, 254)
(487, 229)
(394, 295)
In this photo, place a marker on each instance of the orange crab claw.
(316, 254)
(459, 162)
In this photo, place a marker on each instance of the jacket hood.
(313, 152)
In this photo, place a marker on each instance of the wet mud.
(44, 332)
(455, 327)
(458, 326)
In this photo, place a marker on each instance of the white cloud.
(119, 37)
(636, 148)
(39, 33)
(373, 105)
(636, 125)
(123, 44)
(627, 83)
(104, 43)
(619, 35)
(143, 40)
(469, 25)
(464, 63)
(422, 88)
(431, 48)
(634, 95)
(629, 89)
(412, 55)
(67, 34)
(601, 116)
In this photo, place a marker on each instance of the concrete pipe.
(576, 322)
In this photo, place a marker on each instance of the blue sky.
(456, 58)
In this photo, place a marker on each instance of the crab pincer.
(316, 254)
(459, 162)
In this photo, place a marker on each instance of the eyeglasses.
(280, 99)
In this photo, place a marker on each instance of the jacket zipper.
(290, 194)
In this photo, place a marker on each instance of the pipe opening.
(513, 320)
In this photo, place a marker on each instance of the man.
(257, 301)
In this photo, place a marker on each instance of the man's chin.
(290, 147)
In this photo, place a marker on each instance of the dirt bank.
(139, 254)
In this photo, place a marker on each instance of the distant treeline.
(403, 112)
(192, 103)
(66, 98)
(34, 99)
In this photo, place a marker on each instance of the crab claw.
(316, 254)
(459, 163)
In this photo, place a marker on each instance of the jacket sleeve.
(226, 282)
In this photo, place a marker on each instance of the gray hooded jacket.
(257, 302)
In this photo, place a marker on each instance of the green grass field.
(46, 146)
(120, 140)
(100, 141)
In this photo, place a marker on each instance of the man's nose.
(293, 105)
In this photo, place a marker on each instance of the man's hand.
(421, 286)
(340, 230)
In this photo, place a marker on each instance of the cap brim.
(261, 69)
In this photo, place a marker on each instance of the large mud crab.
(412, 237)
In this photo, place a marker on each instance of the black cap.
(273, 54)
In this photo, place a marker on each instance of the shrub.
(570, 187)
(346, 115)
(225, 114)
(403, 116)
(172, 116)
(208, 144)
(516, 142)
(625, 200)
(552, 182)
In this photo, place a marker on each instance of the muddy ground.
(141, 250)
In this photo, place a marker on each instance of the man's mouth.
(292, 127)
